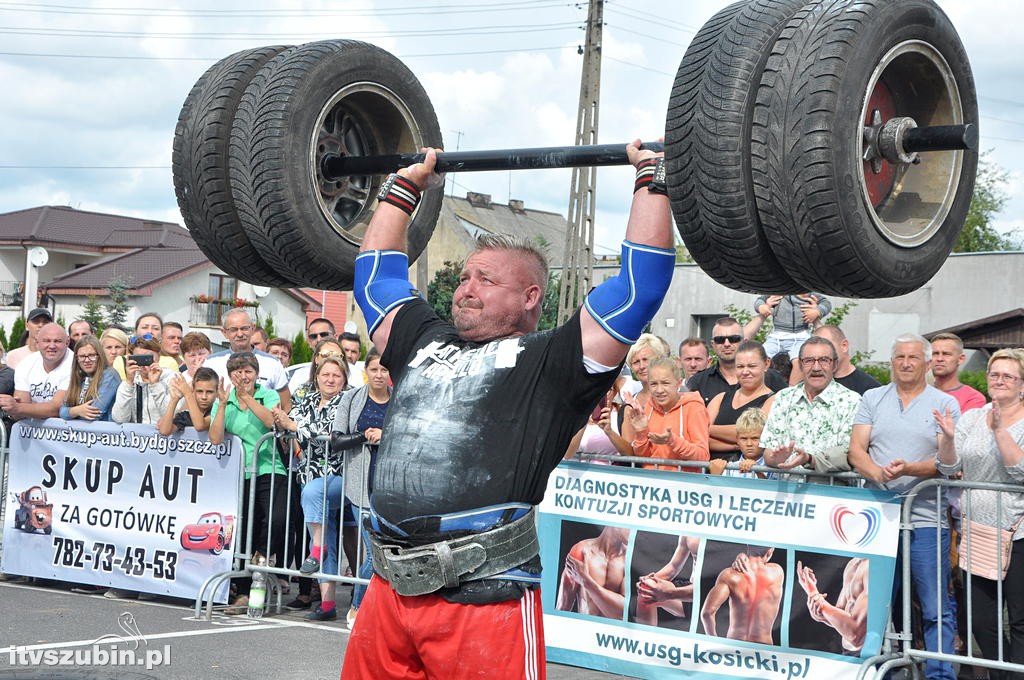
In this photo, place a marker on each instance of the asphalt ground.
(55, 629)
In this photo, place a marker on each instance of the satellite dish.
(38, 256)
(260, 291)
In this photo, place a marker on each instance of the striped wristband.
(644, 173)
(399, 192)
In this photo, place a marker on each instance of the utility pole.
(578, 261)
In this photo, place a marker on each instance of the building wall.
(968, 287)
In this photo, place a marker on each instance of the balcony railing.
(212, 313)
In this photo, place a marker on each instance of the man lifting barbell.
(481, 415)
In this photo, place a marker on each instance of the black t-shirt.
(476, 424)
(711, 382)
(858, 381)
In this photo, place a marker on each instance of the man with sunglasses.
(237, 327)
(810, 423)
(319, 329)
(727, 334)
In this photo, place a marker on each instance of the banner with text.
(649, 573)
(120, 506)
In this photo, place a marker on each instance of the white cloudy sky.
(92, 89)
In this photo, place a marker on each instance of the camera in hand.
(142, 359)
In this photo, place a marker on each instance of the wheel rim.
(361, 119)
(908, 203)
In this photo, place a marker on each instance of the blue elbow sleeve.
(381, 284)
(624, 305)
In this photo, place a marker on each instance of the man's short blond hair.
(955, 339)
(519, 244)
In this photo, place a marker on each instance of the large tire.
(829, 222)
(200, 167)
(341, 96)
(707, 142)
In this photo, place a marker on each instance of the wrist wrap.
(399, 192)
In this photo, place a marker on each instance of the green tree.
(990, 196)
(268, 326)
(3, 336)
(92, 312)
(17, 330)
(117, 310)
(442, 287)
(549, 308)
(301, 353)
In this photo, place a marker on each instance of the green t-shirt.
(247, 427)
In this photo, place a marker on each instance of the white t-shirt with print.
(31, 376)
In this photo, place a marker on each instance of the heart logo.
(848, 525)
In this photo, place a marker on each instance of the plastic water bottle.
(258, 593)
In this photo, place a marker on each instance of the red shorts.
(425, 636)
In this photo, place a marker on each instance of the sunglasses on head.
(321, 335)
(136, 338)
(324, 355)
(720, 339)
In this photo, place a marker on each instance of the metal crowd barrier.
(3, 482)
(904, 652)
(827, 478)
(243, 557)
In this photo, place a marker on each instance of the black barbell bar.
(334, 166)
(941, 138)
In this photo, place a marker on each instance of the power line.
(1001, 101)
(85, 167)
(645, 68)
(1003, 120)
(280, 13)
(213, 59)
(651, 37)
(662, 22)
(476, 30)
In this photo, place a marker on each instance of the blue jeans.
(365, 567)
(938, 608)
(313, 510)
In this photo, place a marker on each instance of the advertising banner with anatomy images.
(652, 574)
(120, 506)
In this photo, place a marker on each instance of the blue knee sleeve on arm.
(381, 284)
(625, 304)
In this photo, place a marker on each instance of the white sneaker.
(351, 617)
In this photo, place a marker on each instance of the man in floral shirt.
(810, 423)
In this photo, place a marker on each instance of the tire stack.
(246, 158)
(765, 146)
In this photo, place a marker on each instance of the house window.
(221, 288)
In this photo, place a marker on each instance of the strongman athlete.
(481, 414)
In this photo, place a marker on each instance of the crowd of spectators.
(803, 413)
(157, 375)
(829, 416)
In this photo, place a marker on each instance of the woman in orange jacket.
(672, 425)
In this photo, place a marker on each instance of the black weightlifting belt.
(424, 569)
